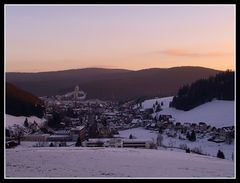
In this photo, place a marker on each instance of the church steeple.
(76, 92)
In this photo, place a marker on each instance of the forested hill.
(22, 103)
(220, 87)
(111, 84)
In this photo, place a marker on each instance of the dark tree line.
(22, 103)
(55, 120)
(220, 87)
(17, 107)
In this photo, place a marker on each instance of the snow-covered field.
(207, 147)
(112, 162)
(19, 120)
(216, 113)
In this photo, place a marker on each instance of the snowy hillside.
(149, 103)
(206, 146)
(19, 120)
(112, 162)
(216, 113)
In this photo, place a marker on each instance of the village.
(73, 121)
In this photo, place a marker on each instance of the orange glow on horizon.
(46, 39)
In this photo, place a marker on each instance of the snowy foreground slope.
(218, 113)
(112, 162)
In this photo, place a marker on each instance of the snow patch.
(19, 120)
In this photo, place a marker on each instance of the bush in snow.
(11, 144)
(187, 150)
(79, 142)
(220, 154)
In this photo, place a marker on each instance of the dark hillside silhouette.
(22, 103)
(111, 84)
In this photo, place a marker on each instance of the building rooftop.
(78, 127)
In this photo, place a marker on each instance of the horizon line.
(107, 68)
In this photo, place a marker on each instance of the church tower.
(76, 92)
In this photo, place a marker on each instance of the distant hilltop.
(111, 84)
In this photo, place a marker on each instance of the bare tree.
(18, 133)
(159, 140)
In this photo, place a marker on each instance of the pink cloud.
(189, 53)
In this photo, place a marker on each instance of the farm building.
(36, 137)
(136, 143)
(78, 131)
(59, 138)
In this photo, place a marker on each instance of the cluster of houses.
(58, 135)
(202, 129)
(107, 116)
(88, 119)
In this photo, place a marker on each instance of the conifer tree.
(220, 154)
(188, 136)
(193, 136)
(26, 123)
(79, 142)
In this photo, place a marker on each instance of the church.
(76, 94)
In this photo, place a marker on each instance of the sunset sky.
(48, 38)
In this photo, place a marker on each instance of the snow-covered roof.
(136, 121)
(78, 127)
(59, 136)
(137, 140)
(37, 135)
(110, 113)
(61, 132)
